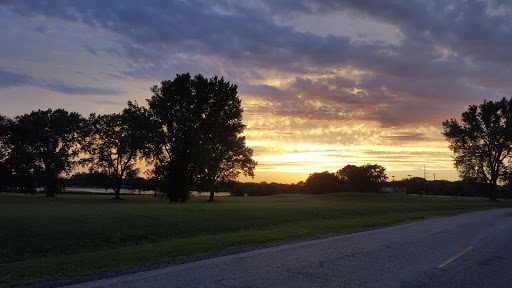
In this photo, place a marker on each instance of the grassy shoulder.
(43, 239)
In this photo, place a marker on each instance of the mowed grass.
(44, 239)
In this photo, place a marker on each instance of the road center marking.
(456, 256)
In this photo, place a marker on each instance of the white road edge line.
(455, 257)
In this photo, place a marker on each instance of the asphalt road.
(471, 250)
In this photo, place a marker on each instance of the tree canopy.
(5, 128)
(321, 183)
(5, 148)
(45, 143)
(116, 143)
(482, 142)
(200, 142)
(365, 178)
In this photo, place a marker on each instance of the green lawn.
(43, 239)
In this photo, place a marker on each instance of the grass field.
(44, 239)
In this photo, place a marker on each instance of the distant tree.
(153, 180)
(294, 188)
(45, 144)
(507, 176)
(117, 142)
(274, 188)
(365, 178)
(5, 148)
(322, 183)
(482, 142)
(414, 185)
(94, 179)
(200, 141)
(5, 131)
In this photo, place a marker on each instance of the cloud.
(408, 137)
(77, 90)
(10, 79)
(449, 54)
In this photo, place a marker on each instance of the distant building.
(393, 190)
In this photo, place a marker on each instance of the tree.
(200, 123)
(5, 130)
(365, 178)
(94, 179)
(5, 148)
(482, 142)
(117, 142)
(414, 185)
(322, 183)
(44, 144)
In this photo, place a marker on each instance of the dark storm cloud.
(236, 33)
(77, 90)
(470, 27)
(10, 79)
(451, 53)
(481, 30)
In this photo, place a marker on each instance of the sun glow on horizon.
(286, 160)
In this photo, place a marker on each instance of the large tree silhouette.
(322, 183)
(5, 148)
(45, 144)
(200, 143)
(117, 142)
(482, 142)
(5, 130)
(365, 178)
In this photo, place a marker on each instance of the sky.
(323, 83)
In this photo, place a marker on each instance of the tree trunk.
(117, 194)
(52, 184)
(117, 190)
(211, 197)
(493, 196)
(175, 183)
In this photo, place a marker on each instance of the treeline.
(415, 185)
(466, 188)
(189, 136)
(367, 178)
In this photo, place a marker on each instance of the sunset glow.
(323, 84)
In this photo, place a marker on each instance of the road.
(471, 250)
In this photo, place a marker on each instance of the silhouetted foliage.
(6, 179)
(365, 178)
(44, 145)
(482, 142)
(414, 185)
(259, 189)
(322, 183)
(92, 179)
(465, 188)
(239, 190)
(5, 131)
(507, 178)
(200, 123)
(117, 142)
